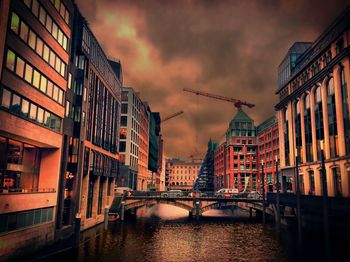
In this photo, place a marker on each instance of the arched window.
(346, 114)
(308, 131)
(332, 119)
(318, 120)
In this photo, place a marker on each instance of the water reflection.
(165, 233)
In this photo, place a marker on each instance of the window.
(33, 111)
(28, 73)
(25, 107)
(20, 67)
(332, 119)
(36, 79)
(24, 32)
(16, 104)
(32, 40)
(15, 23)
(69, 81)
(10, 60)
(67, 108)
(346, 113)
(6, 98)
(40, 117)
(43, 84)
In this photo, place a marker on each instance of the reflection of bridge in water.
(196, 206)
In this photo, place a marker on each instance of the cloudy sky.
(231, 48)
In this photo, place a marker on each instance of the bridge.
(196, 206)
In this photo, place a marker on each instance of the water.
(165, 233)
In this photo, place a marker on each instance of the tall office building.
(35, 46)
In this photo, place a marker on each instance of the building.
(132, 113)
(153, 148)
(182, 173)
(34, 56)
(268, 151)
(143, 173)
(221, 180)
(313, 113)
(242, 160)
(205, 180)
(91, 131)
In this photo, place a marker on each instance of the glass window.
(43, 84)
(15, 23)
(67, 108)
(32, 39)
(20, 67)
(33, 110)
(60, 37)
(36, 79)
(49, 23)
(64, 42)
(52, 59)
(39, 46)
(35, 7)
(54, 30)
(49, 88)
(63, 69)
(42, 16)
(55, 93)
(10, 62)
(60, 96)
(25, 107)
(16, 104)
(6, 98)
(46, 54)
(40, 117)
(28, 73)
(69, 81)
(58, 64)
(24, 32)
(47, 118)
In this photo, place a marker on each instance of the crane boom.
(237, 103)
(172, 116)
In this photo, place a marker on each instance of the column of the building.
(302, 158)
(346, 178)
(313, 124)
(105, 197)
(84, 193)
(95, 197)
(291, 133)
(339, 110)
(281, 120)
(326, 135)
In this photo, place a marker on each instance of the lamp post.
(277, 196)
(297, 191)
(263, 191)
(325, 205)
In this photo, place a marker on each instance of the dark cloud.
(231, 48)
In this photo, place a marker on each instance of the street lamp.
(263, 190)
(277, 195)
(325, 204)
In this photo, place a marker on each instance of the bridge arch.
(141, 203)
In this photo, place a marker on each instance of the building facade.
(221, 180)
(182, 173)
(153, 149)
(93, 110)
(268, 150)
(34, 55)
(313, 113)
(131, 110)
(242, 154)
(143, 176)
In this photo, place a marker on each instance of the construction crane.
(236, 102)
(172, 116)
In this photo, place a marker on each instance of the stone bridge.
(195, 206)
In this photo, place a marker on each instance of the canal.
(165, 233)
